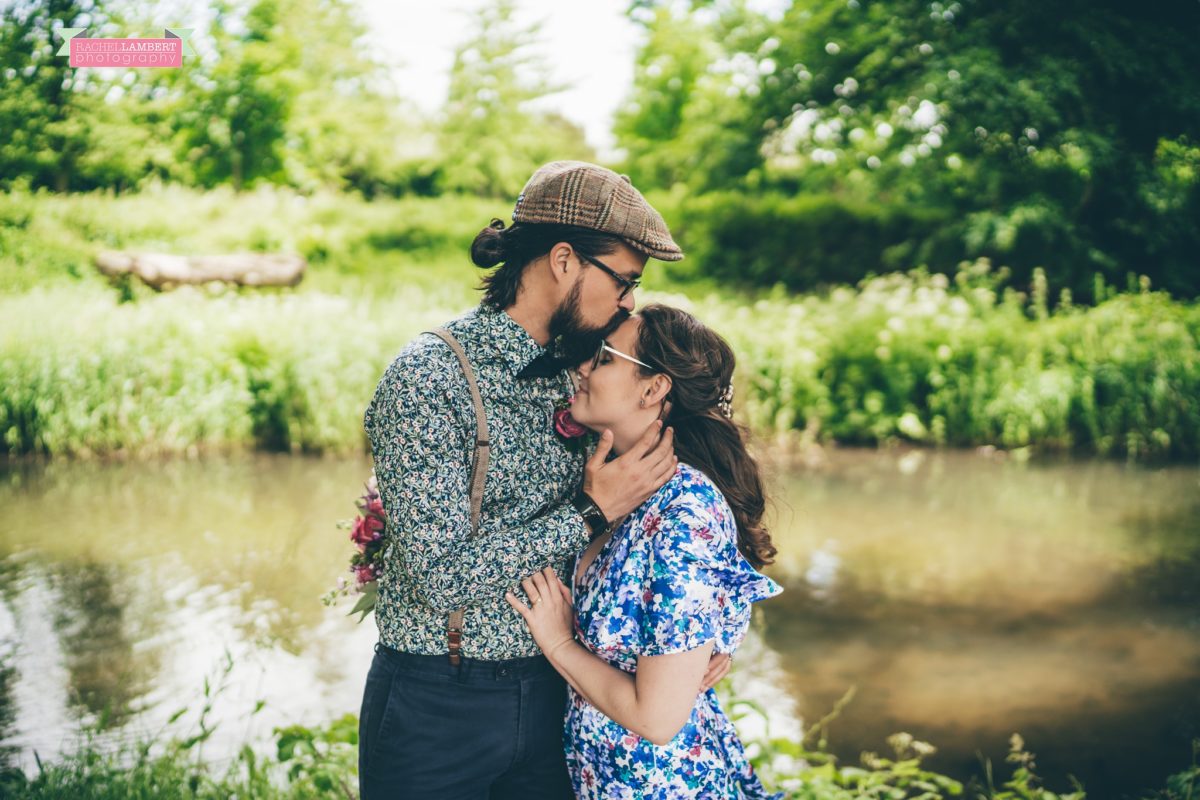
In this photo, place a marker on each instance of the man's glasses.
(605, 348)
(627, 285)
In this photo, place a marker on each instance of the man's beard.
(574, 341)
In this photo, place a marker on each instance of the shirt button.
(504, 672)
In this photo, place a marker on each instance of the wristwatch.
(591, 513)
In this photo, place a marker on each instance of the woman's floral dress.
(669, 580)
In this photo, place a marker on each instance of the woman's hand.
(550, 616)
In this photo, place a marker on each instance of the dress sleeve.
(682, 594)
(696, 586)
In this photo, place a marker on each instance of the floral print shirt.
(421, 425)
(669, 580)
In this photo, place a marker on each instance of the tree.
(46, 106)
(490, 138)
(1035, 126)
(233, 122)
(684, 121)
(652, 124)
(347, 128)
(1041, 135)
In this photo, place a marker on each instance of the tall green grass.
(905, 357)
(919, 358)
(321, 762)
(185, 372)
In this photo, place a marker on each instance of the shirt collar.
(512, 343)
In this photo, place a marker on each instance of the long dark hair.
(700, 364)
(516, 246)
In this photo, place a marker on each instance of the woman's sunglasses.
(605, 348)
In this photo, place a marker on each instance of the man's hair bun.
(489, 249)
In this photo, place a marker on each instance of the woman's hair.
(515, 247)
(700, 364)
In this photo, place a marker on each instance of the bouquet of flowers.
(366, 532)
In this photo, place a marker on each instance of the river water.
(964, 596)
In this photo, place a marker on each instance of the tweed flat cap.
(590, 196)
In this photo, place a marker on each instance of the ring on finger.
(535, 601)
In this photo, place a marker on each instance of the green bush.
(915, 357)
(803, 243)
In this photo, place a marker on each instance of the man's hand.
(621, 485)
(718, 668)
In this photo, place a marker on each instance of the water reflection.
(97, 631)
(1171, 537)
(259, 525)
(118, 612)
(966, 597)
(8, 671)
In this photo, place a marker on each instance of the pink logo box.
(126, 53)
(165, 52)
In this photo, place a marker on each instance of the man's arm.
(422, 451)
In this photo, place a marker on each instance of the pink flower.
(364, 573)
(366, 530)
(566, 425)
(375, 506)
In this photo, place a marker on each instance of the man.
(469, 708)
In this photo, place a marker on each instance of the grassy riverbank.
(904, 357)
(90, 369)
(321, 762)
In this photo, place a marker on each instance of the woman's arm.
(655, 703)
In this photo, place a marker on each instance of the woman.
(672, 582)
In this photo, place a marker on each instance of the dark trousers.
(485, 730)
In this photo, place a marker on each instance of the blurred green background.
(1008, 193)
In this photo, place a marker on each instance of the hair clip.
(725, 404)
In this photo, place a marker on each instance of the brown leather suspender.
(479, 465)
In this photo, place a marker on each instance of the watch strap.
(591, 513)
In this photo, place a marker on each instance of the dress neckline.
(581, 582)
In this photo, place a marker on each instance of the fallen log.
(164, 271)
